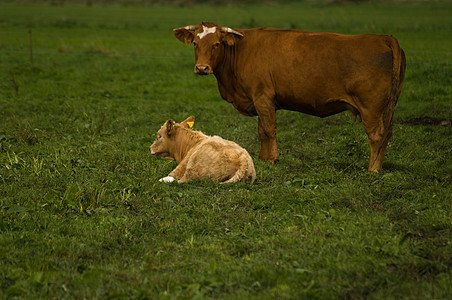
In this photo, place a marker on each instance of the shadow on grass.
(393, 167)
(428, 121)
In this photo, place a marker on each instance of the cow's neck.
(187, 139)
(230, 86)
(226, 71)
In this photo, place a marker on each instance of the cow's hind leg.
(379, 131)
(267, 137)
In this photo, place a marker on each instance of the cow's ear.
(184, 35)
(230, 38)
(170, 127)
(189, 122)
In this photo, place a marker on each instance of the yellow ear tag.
(190, 124)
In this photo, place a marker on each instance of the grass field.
(84, 216)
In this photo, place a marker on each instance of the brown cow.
(261, 70)
(201, 156)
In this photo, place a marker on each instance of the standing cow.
(261, 70)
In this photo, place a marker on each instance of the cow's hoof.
(270, 160)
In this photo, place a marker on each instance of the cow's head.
(209, 41)
(166, 142)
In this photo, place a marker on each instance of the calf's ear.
(169, 127)
(189, 122)
(184, 35)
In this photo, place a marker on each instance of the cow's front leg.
(267, 132)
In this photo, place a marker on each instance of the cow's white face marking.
(206, 31)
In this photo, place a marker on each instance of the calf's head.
(168, 138)
(209, 41)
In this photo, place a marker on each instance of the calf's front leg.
(176, 174)
(167, 179)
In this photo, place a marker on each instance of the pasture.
(84, 89)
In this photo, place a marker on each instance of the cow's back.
(311, 72)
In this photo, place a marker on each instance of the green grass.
(84, 216)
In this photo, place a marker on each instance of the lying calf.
(201, 156)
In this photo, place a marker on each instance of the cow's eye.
(195, 44)
(216, 45)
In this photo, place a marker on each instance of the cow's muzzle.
(203, 69)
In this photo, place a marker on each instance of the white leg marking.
(206, 31)
(167, 179)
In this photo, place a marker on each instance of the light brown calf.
(201, 156)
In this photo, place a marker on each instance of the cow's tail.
(244, 172)
(398, 74)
